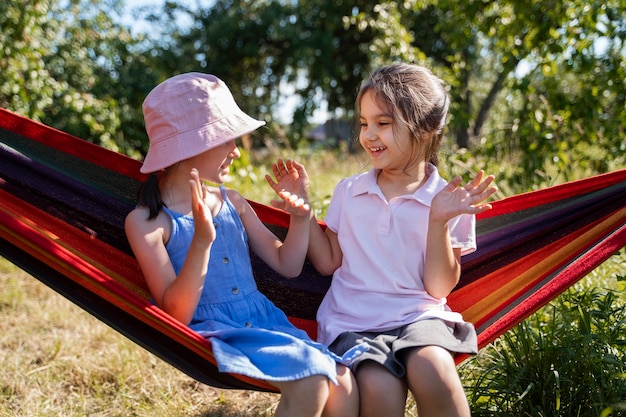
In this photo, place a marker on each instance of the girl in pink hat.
(393, 243)
(192, 243)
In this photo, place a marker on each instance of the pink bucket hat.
(188, 114)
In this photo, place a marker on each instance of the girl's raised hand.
(204, 230)
(291, 185)
(454, 199)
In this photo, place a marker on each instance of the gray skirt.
(385, 348)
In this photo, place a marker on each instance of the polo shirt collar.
(366, 184)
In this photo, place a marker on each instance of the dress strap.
(223, 191)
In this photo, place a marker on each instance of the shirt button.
(248, 324)
(225, 260)
(215, 225)
(235, 290)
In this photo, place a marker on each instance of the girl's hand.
(454, 200)
(204, 229)
(291, 185)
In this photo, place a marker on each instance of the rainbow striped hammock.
(63, 203)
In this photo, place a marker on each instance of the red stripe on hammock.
(535, 266)
(569, 276)
(70, 144)
(554, 193)
(49, 246)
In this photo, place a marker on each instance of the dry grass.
(57, 360)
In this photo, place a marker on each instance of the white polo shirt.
(379, 284)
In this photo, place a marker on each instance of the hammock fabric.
(64, 200)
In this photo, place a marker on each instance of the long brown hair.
(415, 97)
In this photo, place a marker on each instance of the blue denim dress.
(248, 333)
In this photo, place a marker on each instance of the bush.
(566, 360)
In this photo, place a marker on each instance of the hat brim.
(185, 145)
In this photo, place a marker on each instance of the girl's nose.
(235, 154)
(368, 134)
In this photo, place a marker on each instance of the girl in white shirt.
(393, 243)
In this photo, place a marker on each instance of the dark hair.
(149, 195)
(415, 97)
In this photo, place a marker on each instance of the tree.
(327, 48)
(567, 106)
(564, 115)
(64, 64)
(541, 82)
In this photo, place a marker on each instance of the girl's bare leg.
(380, 392)
(304, 397)
(433, 379)
(343, 399)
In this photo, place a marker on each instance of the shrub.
(566, 360)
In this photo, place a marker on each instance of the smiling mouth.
(378, 149)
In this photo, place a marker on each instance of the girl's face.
(214, 164)
(386, 151)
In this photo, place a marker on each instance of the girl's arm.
(177, 295)
(442, 267)
(324, 251)
(286, 258)
(291, 185)
(323, 246)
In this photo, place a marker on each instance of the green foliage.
(568, 359)
(264, 49)
(67, 64)
(536, 84)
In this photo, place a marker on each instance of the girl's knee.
(432, 370)
(305, 396)
(373, 377)
(347, 386)
(343, 399)
(380, 392)
(432, 360)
